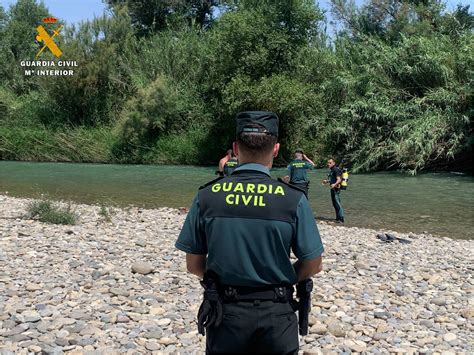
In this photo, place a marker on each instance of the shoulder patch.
(290, 185)
(211, 182)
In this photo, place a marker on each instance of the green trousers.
(336, 202)
(303, 186)
(256, 327)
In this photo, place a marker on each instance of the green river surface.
(437, 203)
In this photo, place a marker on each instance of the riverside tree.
(392, 89)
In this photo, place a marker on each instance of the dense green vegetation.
(161, 81)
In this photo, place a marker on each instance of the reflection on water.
(437, 203)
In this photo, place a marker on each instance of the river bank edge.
(70, 203)
(71, 289)
(460, 168)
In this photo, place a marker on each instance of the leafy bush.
(158, 110)
(387, 110)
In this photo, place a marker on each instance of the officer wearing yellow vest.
(237, 237)
(335, 180)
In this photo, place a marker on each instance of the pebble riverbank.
(120, 286)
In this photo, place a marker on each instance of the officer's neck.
(268, 162)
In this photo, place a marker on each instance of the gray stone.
(152, 346)
(167, 341)
(320, 329)
(33, 287)
(468, 313)
(30, 316)
(119, 291)
(360, 265)
(439, 301)
(17, 330)
(449, 337)
(336, 329)
(86, 341)
(18, 338)
(61, 342)
(140, 243)
(46, 312)
(141, 267)
(9, 324)
(153, 334)
(40, 307)
(122, 318)
(380, 336)
(78, 314)
(426, 323)
(399, 292)
(382, 314)
(96, 274)
(163, 321)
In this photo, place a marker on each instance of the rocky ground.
(121, 287)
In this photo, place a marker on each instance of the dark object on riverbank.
(183, 210)
(388, 238)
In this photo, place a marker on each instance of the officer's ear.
(235, 148)
(276, 149)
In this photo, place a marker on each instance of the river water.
(437, 203)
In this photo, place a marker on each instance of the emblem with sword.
(43, 36)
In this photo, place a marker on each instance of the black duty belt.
(276, 294)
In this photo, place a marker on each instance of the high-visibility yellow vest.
(345, 179)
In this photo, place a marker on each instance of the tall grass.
(69, 145)
(48, 212)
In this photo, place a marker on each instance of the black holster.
(303, 292)
(210, 311)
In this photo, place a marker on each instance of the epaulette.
(290, 185)
(211, 182)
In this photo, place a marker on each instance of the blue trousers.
(336, 202)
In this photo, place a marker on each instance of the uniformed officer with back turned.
(230, 165)
(298, 171)
(229, 154)
(238, 236)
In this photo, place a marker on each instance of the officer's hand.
(203, 315)
(209, 314)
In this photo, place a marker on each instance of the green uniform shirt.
(230, 166)
(333, 174)
(298, 171)
(247, 224)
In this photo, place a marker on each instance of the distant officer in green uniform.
(229, 154)
(230, 165)
(237, 237)
(334, 180)
(298, 171)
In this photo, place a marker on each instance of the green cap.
(299, 150)
(257, 122)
